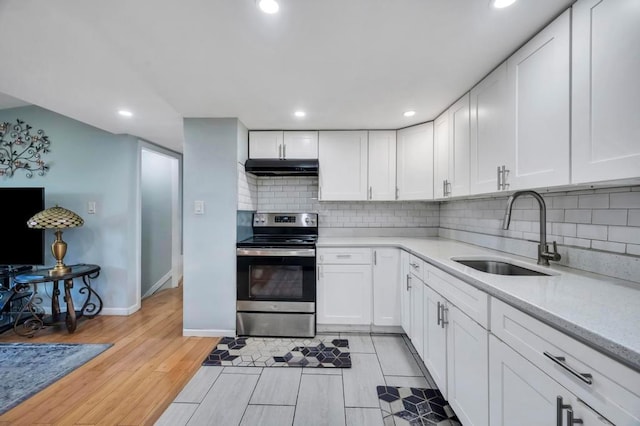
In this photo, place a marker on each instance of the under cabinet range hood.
(275, 167)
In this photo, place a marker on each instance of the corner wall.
(211, 175)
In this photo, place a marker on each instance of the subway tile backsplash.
(597, 230)
(300, 194)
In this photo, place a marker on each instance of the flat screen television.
(20, 245)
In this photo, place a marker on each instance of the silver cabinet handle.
(397, 192)
(318, 272)
(439, 310)
(499, 180)
(448, 188)
(414, 265)
(280, 151)
(444, 311)
(560, 360)
(343, 256)
(284, 151)
(408, 282)
(370, 192)
(375, 257)
(444, 188)
(559, 409)
(570, 420)
(505, 172)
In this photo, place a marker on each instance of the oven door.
(276, 279)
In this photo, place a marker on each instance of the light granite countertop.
(600, 311)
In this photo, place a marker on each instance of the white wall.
(210, 175)
(156, 203)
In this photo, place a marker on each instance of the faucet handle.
(554, 255)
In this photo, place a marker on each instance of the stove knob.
(306, 220)
(262, 220)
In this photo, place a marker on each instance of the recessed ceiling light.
(409, 113)
(268, 6)
(300, 114)
(499, 4)
(125, 113)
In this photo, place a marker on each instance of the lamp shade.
(55, 218)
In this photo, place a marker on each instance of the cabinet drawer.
(416, 266)
(344, 256)
(615, 388)
(470, 300)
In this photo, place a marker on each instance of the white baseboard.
(121, 311)
(349, 328)
(195, 332)
(166, 277)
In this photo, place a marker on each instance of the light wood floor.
(130, 383)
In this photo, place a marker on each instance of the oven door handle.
(275, 252)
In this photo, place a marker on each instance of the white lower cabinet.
(435, 339)
(405, 292)
(386, 292)
(344, 287)
(456, 354)
(417, 314)
(523, 395)
(344, 294)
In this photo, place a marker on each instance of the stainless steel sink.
(498, 267)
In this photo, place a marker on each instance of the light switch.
(198, 207)
(91, 207)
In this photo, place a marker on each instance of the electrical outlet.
(91, 207)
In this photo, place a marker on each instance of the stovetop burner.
(283, 230)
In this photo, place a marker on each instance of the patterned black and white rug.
(321, 351)
(415, 407)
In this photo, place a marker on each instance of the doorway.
(160, 227)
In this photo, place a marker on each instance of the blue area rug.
(27, 368)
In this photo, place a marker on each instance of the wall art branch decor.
(22, 150)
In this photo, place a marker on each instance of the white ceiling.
(349, 63)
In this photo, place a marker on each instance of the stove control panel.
(289, 220)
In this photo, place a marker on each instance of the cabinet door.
(441, 155)
(459, 134)
(386, 289)
(605, 90)
(415, 162)
(382, 165)
(266, 144)
(344, 294)
(300, 145)
(417, 314)
(467, 368)
(490, 131)
(539, 91)
(343, 166)
(405, 300)
(435, 339)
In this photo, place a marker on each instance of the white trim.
(162, 281)
(121, 311)
(207, 333)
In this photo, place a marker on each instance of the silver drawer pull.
(343, 256)
(414, 265)
(560, 360)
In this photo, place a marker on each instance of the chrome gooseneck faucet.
(544, 255)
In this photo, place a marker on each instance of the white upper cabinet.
(605, 90)
(539, 91)
(459, 134)
(382, 165)
(451, 151)
(343, 166)
(283, 145)
(267, 144)
(415, 162)
(300, 145)
(441, 155)
(491, 147)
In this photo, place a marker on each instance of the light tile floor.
(280, 396)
